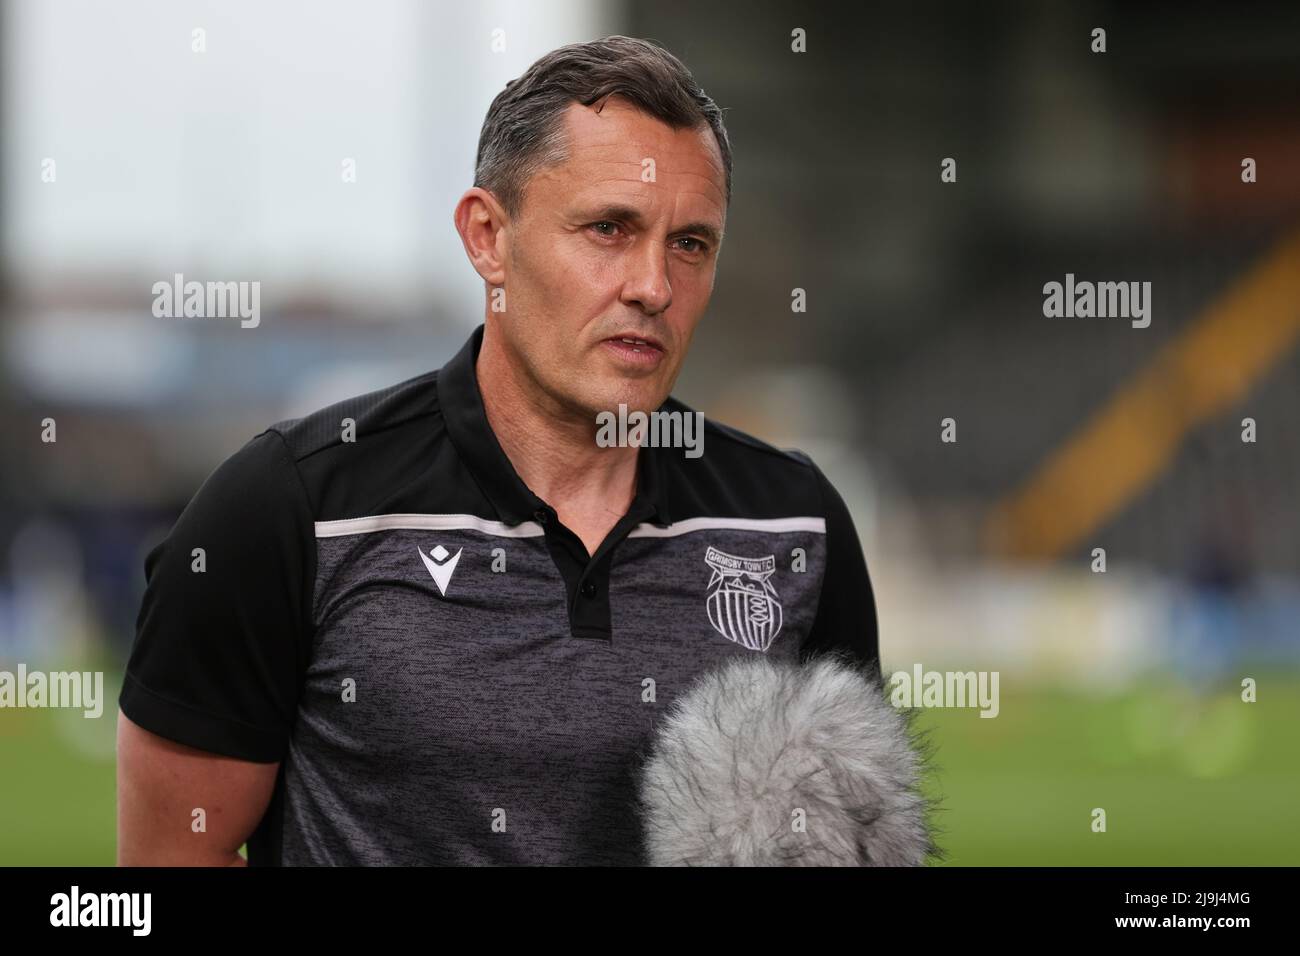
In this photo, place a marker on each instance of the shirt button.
(541, 516)
(589, 589)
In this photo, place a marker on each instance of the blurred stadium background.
(1119, 690)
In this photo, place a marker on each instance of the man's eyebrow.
(633, 216)
(703, 229)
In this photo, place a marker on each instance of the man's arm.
(846, 609)
(210, 692)
(161, 783)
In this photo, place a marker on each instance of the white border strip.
(417, 522)
(770, 525)
(531, 529)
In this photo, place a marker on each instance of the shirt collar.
(467, 425)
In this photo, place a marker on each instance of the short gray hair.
(523, 133)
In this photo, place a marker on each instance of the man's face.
(619, 242)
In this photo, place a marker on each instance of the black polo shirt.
(443, 672)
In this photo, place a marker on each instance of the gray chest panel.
(482, 731)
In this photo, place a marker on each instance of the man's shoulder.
(335, 458)
(742, 473)
(361, 418)
(743, 445)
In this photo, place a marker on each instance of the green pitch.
(1183, 778)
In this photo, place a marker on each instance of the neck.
(552, 447)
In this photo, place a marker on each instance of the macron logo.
(440, 566)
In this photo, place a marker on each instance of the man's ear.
(481, 222)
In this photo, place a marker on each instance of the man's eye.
(699, 246)
(598, 226)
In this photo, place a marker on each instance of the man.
(438, 623)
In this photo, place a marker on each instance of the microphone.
(766, 763)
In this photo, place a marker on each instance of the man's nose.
(646, 284)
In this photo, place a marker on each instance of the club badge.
(742, 603)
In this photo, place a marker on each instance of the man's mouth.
(636, 341)
(636, 350)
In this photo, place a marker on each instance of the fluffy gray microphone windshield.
(763, 763)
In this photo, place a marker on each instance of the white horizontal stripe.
(770, 525)
(346, 526)
(531, 529)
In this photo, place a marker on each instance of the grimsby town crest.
(742, 602)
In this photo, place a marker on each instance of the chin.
(634, 395)
(637, 402)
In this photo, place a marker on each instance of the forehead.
(609, 142)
